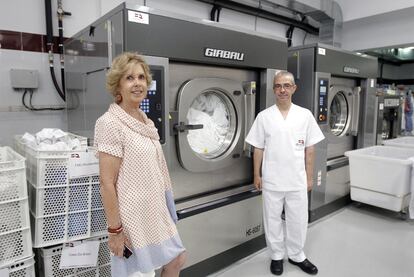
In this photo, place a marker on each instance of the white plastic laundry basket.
(381, 176)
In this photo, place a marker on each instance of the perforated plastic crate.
(65, 213)
(47, 167)
(49, 262)
(21, 268)
(51, 230)
(14, 215)
(12, 175)
(81, 194)
(15, 245)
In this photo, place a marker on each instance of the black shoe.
(276, 267)
(306, 266)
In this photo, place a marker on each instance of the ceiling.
(396, 56)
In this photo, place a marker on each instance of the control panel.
(323, 86)
(153, 105)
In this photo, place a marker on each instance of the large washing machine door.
(340, 109)
(340, 113)
(212, 108)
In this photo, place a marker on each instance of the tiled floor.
(357, 241)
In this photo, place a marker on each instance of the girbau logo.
(223, 54)
(348, 69)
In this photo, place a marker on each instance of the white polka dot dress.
(146, 202)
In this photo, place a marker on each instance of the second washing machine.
(339, 87)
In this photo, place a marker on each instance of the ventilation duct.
(325, 13)
(330, 19)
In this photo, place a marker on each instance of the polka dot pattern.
(143, 177)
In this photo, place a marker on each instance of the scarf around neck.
(146, 129)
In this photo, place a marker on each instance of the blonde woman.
(135, 184)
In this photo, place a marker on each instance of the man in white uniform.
(283, 137)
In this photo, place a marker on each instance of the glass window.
(216, 113)
(338, 114)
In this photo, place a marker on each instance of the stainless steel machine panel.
(221, 229)
(194, 173)
(343, 116)
(339, 183)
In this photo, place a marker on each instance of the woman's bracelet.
(116, 230)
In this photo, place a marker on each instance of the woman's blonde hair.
(120, 66)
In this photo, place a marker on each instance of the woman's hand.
(116, 243)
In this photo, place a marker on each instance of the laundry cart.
(405, 142)
(381, 176)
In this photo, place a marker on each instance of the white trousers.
(296, 218)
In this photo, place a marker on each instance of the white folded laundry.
(51, 139)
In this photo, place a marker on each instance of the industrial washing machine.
(205, 94)
(339, 87)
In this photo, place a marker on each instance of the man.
(283, 137)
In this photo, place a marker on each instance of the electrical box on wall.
(24, 78)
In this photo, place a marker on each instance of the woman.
(135, 184)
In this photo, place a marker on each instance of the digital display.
(153, 85)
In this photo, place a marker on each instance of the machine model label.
(223, 54)
(138, 17)
(253, 230)
(353, 70)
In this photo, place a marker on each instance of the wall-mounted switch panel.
(24, 78)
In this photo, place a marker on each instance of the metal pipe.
(49, 26)
(49, 35)
(60, 13)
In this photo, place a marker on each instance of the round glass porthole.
(338, 114)
(216, 113)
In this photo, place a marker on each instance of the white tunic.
(284, 142)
